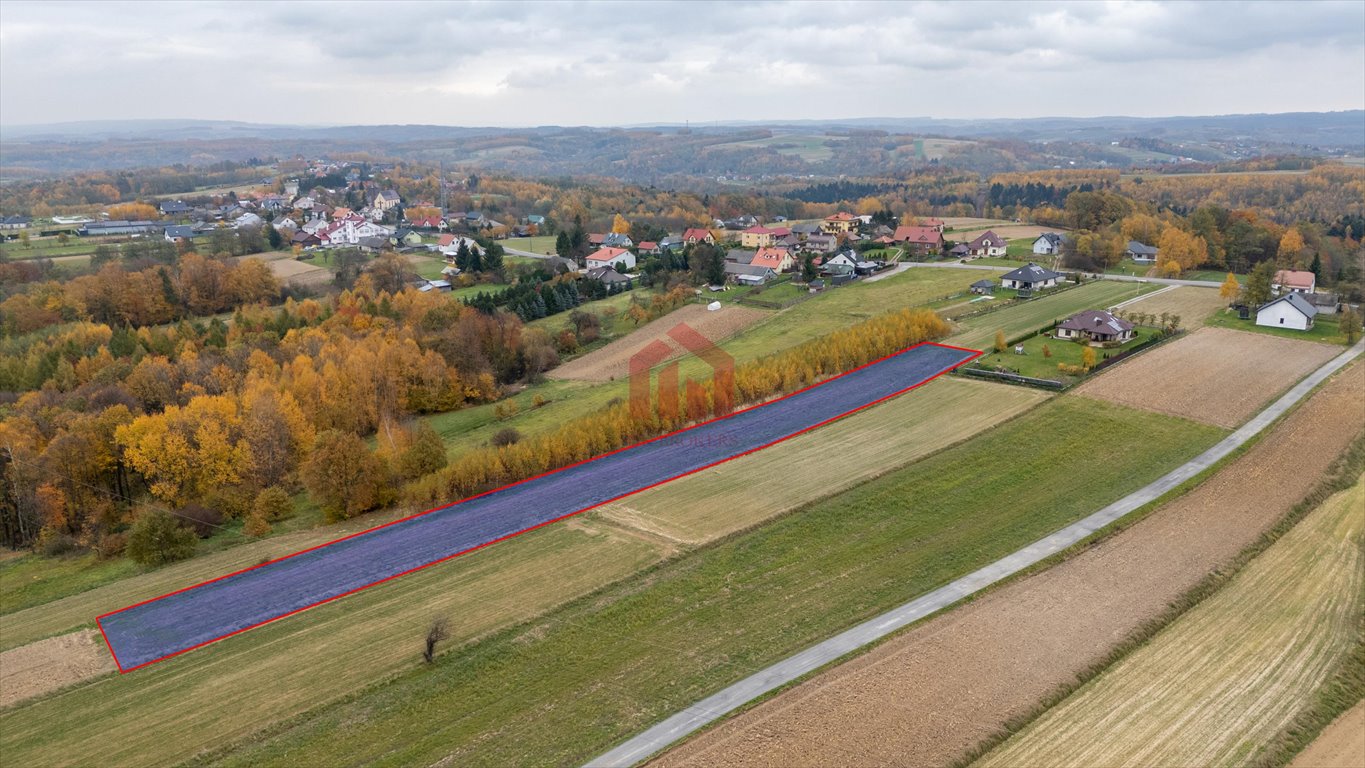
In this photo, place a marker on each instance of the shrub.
(506, 436)
(426, 453)
(202, 520)
(538, 401)
(256, 525)
(157, 539)
(505, 410)
(110, 545)
(273, 504)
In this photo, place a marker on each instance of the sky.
(568, 63)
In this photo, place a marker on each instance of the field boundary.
(712, 708)
(973, 354)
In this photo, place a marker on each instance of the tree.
(273, 504)
(619, 225)
(439, 630)
(1000, 344)
(255, 525)
(424, 455)
(158, 538)
(1257, 291)
(1088, 358)
(1047, 351)
(133, 212)
(272, 236)
(342, 475)
(563, 247)
(390, 272)
(1184, 249)
(808, 272)
(1350, 325)
(1291, 245)
(1230, 288)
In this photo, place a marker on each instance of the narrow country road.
(674, 728)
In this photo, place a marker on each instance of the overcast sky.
(521, 63)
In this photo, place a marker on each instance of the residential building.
(179, 232)
(1096, 326)
(776, 259)
(648, 248)
(173, 208)
(609, 276)
(617, 240)
(696, 235)
(762, 237)
(987, 244)
(1048, 244)
(611, 257)
(1141, 253)
(919, 240)
(747, 274)
(839, 223)
(1030, 277)
(1292, 310)
(1294, 281)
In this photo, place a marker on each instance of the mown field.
(979, 332)
(1227, 676)
(565, 686)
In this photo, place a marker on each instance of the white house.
(987, 244)
(350, 231)
(610, 257)
(1291, 310)
(1029, 277)
(1048, 244)
(1294, 281)
(1141, 253)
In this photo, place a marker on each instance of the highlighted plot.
(150, 631)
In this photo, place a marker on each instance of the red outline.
(975, 354)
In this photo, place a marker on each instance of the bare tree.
(440, 630)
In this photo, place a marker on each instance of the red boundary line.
(123, 671)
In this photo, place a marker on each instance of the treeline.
(207, 418)
(627, 423)
(82, 191)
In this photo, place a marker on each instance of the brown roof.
(1296, 278)
(1096, 321)
(918, 235)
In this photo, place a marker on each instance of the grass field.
(1194, 305)
(537, 244)
(1035, 364)
(1228, 675)
(749, 490)
(565, 686)
(979, 332)
(809, 147)
(47, 248)
(1325, 327)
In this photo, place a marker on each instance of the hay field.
(1214, 375)
(49, 665)
(1228, 675)
(612, 362)
(1193, 304)
(748, 490)
(979, 332)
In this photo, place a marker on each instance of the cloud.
(487, 63)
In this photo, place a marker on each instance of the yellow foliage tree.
(133, 212)
(187, 452)
(619, 225)
(1291, 245)
(1186, 250)
(1230, 288)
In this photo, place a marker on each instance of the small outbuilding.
(1291, 310)
(983, 287)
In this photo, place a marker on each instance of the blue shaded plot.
(144, 633)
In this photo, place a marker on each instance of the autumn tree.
(390, 272)
(158, 538)
(619, 225)
(1257, 290)
(1350, 325)
(1291, 246)
(1088, 357)
(185, 452)
(133, 212)
(424, 454)
(1230, 288)
(1185, 250)
(1000, 344)
(343, 476)
(273, 504)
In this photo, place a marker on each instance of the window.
(1282, 321)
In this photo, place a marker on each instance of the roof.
(731, 268)
(388, 194)
(987, 238)
(761, 230)
(1141, 249)
(1054, 239)
(770, 257)
(648, 245)
(740, 256)
(1296, 278)
(1296, 301)
(918, 235)
(696, 232)
(173, 206)
(985, 283)
(1096, 321)
(840, 216)
(1030, 273)
(607, 254)
(180, 230)
(607, 275)
(806, 229)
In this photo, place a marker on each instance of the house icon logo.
(643, 401)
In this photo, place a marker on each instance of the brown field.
(1340, 745)
(291, 270)
(934, 692)
(1214, 375)
(754, 488)
(613, 360)
(1007, 231)
(1194, 305)
(51, 664)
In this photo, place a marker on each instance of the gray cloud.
(609, 63)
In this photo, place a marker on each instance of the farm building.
(983, 287)
(1294, 281)
(1141, 253)
(1291, 310)
(608, 257)
(1097, 326)
(1048, 244)
(1030, 277)
(986, 244)
(116, 227)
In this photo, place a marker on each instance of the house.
(920, 240)
(931, 222)
(385, 201)
(18, 222)
(740, 256)
(173, 208)
(959, 251)
(1096, 326)
(450, 244)
(285, 224)
(596, 239)
(1048, 244)
(986, 244)
(776, 259)
(747, 274)
(273, 203)
(372, 244)
(839, 223)
(556, 265)
(442, 286)
(350, 231)
(610, 257)
(821, 243)
(1324, 303)
(839, 264)
(1294, 281)
(426, 222)
(248, 221)
(671, 244)
(305, 203)
(179, 232)
(648, 248)
(1291, 310)
(1030, 277)
(305, 239)
(609, 276)
(535, 220)
(617, 240)
(806, 229)
(696, 235)
(405, 237)
(762, 237)
(1141, 253)
(983, 287)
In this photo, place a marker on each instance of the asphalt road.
(207, 612)
(708, 710)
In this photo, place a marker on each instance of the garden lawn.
(564, 687)
(1326, 328)
(537, 244)
(978, 332)
(1033, 363)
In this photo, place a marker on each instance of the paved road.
(147, 632)
(1121, 278)
(527, 254)
(712, 708)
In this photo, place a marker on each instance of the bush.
(505, 410)
(256, 525)
(232, 502)
(158, 538)
(202, 520)
(273, 504)
(426, 453)
(110, 545)
(506, 436)
(54, 544)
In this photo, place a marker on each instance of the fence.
(1014, 378)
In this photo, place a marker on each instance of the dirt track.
(1214, 375)
(936, 691)
(47, 665)
(1340, 745)
(613, 360)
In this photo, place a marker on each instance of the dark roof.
(1096, 321)
(1296, 301)
(987, 237)
(180, 230)
(16, 220)
(1053, 238)
(984, 284)
(732, 268)
(555, 263)
(1140, 249)
(173, 206)
(607, 275)
(1030, 273)
(740, 256)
